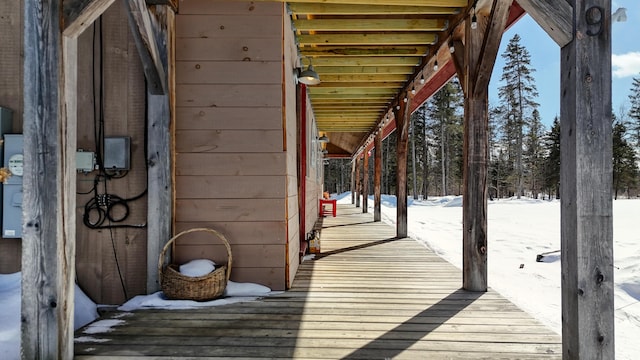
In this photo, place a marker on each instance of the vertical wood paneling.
(124, 104)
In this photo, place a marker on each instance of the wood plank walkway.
(368, 296)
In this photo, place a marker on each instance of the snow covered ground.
(518, 231)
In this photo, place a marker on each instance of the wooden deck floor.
(368, 296)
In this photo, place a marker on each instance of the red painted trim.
(445, 74)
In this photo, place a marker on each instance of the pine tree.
(517, 96)
(552, 159)
(534, 153)
(625, 167)
(634, 112)
(447, 132)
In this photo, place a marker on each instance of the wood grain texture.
(475, 157)
(402, 117)
(230, 164)
(229, 7)
(229, 95)
(555, 18)
(230, 210)
(230, 72)
(377, 178)
(224, 26)
(367, 296)
(48, 239)
(232, 118)
(230, 187)
(228, 141)
(160, 185)
(585, 179)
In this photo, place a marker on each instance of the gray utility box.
(6, 125)
(12, 189)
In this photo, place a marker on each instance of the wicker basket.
(177, 286)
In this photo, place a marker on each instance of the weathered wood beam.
(585, 180)
(171, 3)
(490, 45)
(554, 16)
(417, 38)
(377, 179)
(358, 182)
(365, 184)
(370, 24)
(78, 15)
(368, 9)
(49, 222)
(353, 181)
(475, 159)
(148, 48)
(160, 109)
(402, 117)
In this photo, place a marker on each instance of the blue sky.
(545, 58)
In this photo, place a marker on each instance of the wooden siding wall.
(11, 89)
(290, 52)
(124, 111)
(233, 172)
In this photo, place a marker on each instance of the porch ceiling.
(367, 54)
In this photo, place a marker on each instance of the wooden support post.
(358, 183)
(365, 183)
(481, 49)
(49, 221)
(377, 179)
(353, 181)
(160, 109)
(402, 127)
(585, 180)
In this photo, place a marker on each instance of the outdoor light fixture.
(435, 65)
(421, 79)
(405, 98)
(323, 139)
(413, 89)
(309, 76)
(452, 48)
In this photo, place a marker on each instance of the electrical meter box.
(12, 189)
